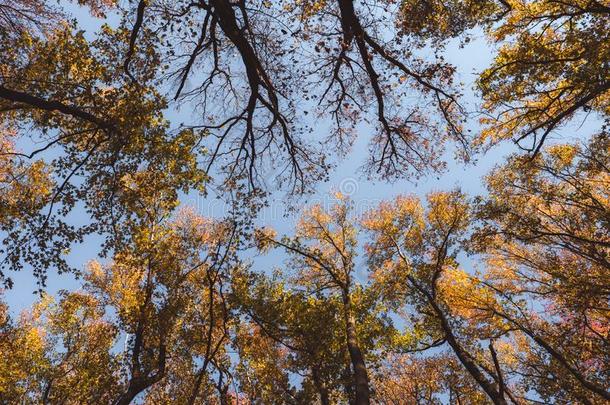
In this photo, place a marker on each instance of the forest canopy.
(112, 112)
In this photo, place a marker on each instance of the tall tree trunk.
(361, 379)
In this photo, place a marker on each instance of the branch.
(132, 39)
(51, 105)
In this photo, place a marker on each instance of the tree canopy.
(500, 297)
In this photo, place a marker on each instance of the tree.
(307, 326)
(552, 252)
(528, 320)
(260, 62)
(551, 63)
(69, 95)
(305, 329)
(60, 352)
(424, 380)
(414, 256)
(323, 253)
(163, 293)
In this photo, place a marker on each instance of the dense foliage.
(498, 298)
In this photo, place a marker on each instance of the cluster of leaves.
(552, 61)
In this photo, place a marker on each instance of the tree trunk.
(361, 380)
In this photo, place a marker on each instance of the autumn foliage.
(501, 297)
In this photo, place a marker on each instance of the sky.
(346, 178)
